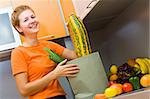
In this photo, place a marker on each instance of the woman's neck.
(28, 42)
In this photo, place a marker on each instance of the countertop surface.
(142, 94)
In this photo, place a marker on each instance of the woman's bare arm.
(29, 88)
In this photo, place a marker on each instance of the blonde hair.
(15, 15)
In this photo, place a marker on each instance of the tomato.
(127, 87)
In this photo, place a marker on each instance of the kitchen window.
(9, 38)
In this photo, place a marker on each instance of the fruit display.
(131, 71)
(79, 36)
(130, 76)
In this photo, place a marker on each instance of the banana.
(137, 66)
(147, 61)
(142, 65)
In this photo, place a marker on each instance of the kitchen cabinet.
(67, 8)
(48, 13)
(104, 12)
(4, 3)
(83, 7)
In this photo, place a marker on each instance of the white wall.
(125, 37)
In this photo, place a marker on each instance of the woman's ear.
(18, 28)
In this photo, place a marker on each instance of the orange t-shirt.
(35, 61)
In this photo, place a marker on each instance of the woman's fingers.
(69, 65)
(71, 75)
(73, 72)
(71, 68)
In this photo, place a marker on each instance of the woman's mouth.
(33, 25)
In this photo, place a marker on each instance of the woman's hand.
(63, 69)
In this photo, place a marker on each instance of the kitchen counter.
(145, 94)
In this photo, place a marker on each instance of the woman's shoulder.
(18, 49)
(47, 42)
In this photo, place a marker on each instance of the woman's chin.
(35, 31)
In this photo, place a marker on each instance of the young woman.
(35, 74)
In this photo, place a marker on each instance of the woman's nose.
(32, 20)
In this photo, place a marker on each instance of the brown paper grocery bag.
(92, 78)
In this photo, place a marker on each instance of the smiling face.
(28, 23)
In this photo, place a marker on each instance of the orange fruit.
(113, 77)
(100, 96)
(131, 62)
(145, 80)
(118, 87)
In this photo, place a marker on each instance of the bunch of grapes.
(124, 73)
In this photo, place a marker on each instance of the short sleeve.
(18, 62)
(56, 48)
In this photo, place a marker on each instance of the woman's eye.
(32, 17)
(25, 20)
